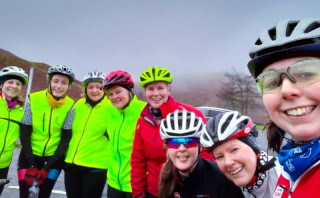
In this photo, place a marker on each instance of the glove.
(42, 174)
(30, 175)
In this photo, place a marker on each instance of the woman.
(87, 156)
(123, 116)
(232, 139)
(12, 78)
(148, 155)
(45, 132)
(185, 174)
(286, 65)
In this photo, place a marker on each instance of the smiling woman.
(232, 139)
(185, 174)
(45, 132)
(285, 60)
(11, 80)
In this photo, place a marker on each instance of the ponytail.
(167, 180)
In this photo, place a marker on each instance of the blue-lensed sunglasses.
(187, 142)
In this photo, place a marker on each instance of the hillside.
(195, 90)
(40, 71)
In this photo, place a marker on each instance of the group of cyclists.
(164, 148)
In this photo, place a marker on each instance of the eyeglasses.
(187, 142)
(302, 73)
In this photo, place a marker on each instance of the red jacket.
(148, 154)
(307, 185)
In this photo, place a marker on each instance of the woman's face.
(183, 158)
(94, 91)
(293, 108)
(12, 88)
(118, 96)
(157, 93)
(59, 85)
(236, 160)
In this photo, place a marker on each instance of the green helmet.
(154, 74)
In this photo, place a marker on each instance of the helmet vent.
(311, 27)
(290, 28)
(272, 33)
(258, 42)
(167, 75)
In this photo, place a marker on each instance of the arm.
(64, 142)
(25, 135)
(138, 164)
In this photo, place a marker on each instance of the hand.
(41, 176)
(30, 175)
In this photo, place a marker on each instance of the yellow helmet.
(154, 74)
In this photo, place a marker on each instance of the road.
(11, 190)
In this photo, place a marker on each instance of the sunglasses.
(187, 142)
(302, 73)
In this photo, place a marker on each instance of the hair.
(274, 137)
(167, 180)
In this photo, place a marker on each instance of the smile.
(300, 111)
(236, 171)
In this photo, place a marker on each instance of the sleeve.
(66, 134)
(67, 125)
(138, 164)
(25, 135)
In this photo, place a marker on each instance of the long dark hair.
(167, 180)
(274, 135)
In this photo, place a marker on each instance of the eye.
(270, 82)
(234, 150)
(219, 157)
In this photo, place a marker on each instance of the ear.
(169, 88)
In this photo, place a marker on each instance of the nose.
(228, 160)
(289, 89)
(182, 147)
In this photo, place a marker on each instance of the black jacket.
(206, 181)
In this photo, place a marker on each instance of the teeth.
(301, 111)
(236, 171)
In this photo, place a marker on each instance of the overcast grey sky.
(189, 37)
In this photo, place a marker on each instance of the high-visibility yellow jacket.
(47, 123)
(9, 131)
(89, 143)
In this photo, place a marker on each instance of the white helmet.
(61, 69)
(290, 38)
(93, 77)
(181, 124)
(14, 71)
(225, 126)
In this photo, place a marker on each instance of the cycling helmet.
(225, 126)
(61, 69)
(286, 40)
(93, 77)
(181, 124)
(14, 71)
(154, 74)
(118, 77)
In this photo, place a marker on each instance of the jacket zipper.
(85, 126)
(120, 162)
(45, 146)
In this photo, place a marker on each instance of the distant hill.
(193, 90)
(40, 71)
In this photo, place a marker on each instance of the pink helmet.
(118, 77)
